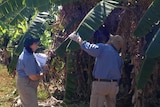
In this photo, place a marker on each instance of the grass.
(8, 89)
(42, 94)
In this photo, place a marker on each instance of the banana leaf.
(147, 24)
(152, 54)
(153, 51)
(36, 29)
(10, 7)
(146, 70)
(15, 11)
(71, 79)
(60, 2)
(92, 21)
(40, 5)
(12, 10)
(149, 20)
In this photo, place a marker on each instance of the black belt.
(106, 80)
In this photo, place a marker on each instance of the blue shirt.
(27, 65)
(108, 63)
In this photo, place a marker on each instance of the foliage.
(149, 20)
(153, 49)
(17, 15)
(36, 29)
(7, 85)
(71, 79)
(92, 21)
(42, 93)
(147, 23)
(15, 11)
(146, 70)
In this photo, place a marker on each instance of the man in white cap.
(107, 69)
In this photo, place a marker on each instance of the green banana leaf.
(15, 11)
(60, 2)
(10, 7)
(36, 29)
(147, 24)
(92, 21)
(153, 51)
(149, 20)
(71, 79)
(40, 5)
(146, 70)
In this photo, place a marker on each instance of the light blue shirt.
(27, 65)
(108, 63)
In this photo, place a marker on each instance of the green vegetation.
(42, 93)
(8, 89)
(19, 18)
(149, 23)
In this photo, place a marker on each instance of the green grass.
(42, 93)
(7, 90)
(80, 104)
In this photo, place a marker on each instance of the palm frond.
(40, 5)
(92, 21)
(147, 24)
(153, 51)
(15, 11)
(60, 2)
(149, 20)
(146, 70)
(152, 54)
(10, 7)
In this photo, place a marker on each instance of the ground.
(7, 90)
(9, 95)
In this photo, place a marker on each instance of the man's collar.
(114, 47)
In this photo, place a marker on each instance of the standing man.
(107, 69)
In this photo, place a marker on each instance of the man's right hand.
(75, 37)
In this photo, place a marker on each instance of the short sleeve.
(30, 66)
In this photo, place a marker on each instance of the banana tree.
(88, 26)
(15, 11)
(147, 24)
(36, 28)
(92, 21)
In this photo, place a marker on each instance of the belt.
(106, 80)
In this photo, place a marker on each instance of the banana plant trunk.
(78, 77)
(71, 79)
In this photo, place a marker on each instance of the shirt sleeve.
(30, 66)
(92, 49)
